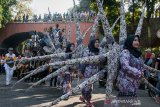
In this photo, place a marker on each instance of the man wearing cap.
(9, 67)
(148, 55)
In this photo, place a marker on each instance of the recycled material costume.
(67, 74)
(131, 68)
(130, 74)
(88, 70)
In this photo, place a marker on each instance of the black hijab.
(68, 50)
(128, 45)
(92, 48)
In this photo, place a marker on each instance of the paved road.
(43, 95)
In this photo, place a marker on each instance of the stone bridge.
(14, 33)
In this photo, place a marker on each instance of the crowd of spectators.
(84, 16)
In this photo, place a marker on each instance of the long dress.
(66, 82)
(67, 78)
(88, 70)
(129, 77)
(130, 73)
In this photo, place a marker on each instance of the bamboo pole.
(37, 58)
(85, 33)
(150, 68)
(123, 31)
(139, 28)
(85, 60)
(93, 33)
(53, 74)
(78, 33)
(112, 69)
(69, 30)
(103, 42)
(79, 87)
(107, 31)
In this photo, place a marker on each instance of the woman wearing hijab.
(67, 76)
(69, 49)
(88, 70)
(131, 68)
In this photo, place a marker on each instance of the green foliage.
(132, 17)
(5, 11)
(84, 5)
(133, 12)
(22, 8)
(150, 8)
(8, 7)
(93, 6)
(1, 10)
(112, 8)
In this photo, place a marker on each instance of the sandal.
(82, 99)
(89, 104)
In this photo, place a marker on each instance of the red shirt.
(148, 55)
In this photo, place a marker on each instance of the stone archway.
(17, 38)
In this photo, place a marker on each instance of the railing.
(84, 19)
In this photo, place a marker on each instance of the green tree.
(1, 10)
(150, 12)
(111, 8)
(133, 12)
(10, 7)
(6, 11)
(84, 5)
(133, 15)
(22, 8)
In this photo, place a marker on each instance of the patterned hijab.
(128, 45)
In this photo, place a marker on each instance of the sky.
(59, 6)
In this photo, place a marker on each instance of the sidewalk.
(41, 96)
